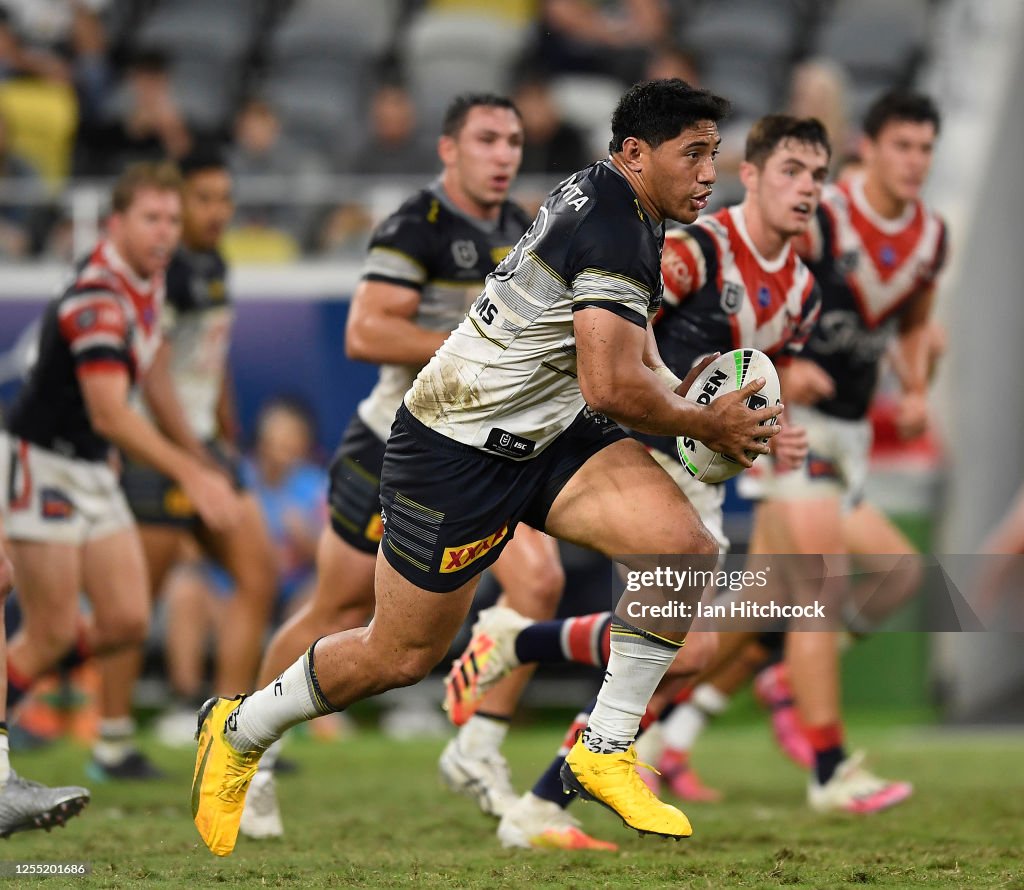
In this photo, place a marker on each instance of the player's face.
(899, 158)
(679, 173)
(147, 232)
(208, 208)
(284, 440)
(788, 188)
(485, 155)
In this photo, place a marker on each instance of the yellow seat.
(42, 117)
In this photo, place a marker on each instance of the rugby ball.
(728, 373)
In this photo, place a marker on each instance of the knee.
(411, 666)
(129, 628)
(54, 639)
(692, 539)
(539, 594)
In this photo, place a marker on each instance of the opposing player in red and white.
(188, 394)
(732, 280)
(69, 526)
(876, 250)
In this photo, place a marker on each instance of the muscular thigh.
(114, 576)
(620, 501)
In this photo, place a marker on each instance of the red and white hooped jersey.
(106, 319)
(870, 269)
(721, 294)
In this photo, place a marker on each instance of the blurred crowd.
(316, 101)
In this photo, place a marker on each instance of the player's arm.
(615, 380)
(161, 398)
(380, 328)
(912, 361)
(105, 393)
(227, 410)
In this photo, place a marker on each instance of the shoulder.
(412, 225)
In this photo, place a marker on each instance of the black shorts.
(354, 493)
(156, 499)
(449, 509)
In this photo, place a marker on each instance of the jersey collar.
(769, 266)
(887, 226)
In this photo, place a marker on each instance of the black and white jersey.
(505, 380)
(431, 246)
(197, 323)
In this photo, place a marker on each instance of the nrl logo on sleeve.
(732, 298)
(464, 253)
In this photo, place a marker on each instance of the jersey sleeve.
(400, 251)
(683, 266)
(96, 328)
(611, 270)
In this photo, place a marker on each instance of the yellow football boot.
(613, 781)
(221, 778)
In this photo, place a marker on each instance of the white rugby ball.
(728, 373)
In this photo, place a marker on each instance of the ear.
(447, 150)
(633, 153)
(750, 176)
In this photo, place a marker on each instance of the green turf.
(368, 812)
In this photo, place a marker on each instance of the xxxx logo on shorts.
(455, 558)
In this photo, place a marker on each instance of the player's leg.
(621, 502)
(891, 561)
(115, 755)
(246, 552)
(530, 573)
(115, 579)
(411, 630)
(24, 804)
(342, 597)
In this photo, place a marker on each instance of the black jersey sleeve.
(615, 265)
(402, 247)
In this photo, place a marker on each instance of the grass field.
(368, 812)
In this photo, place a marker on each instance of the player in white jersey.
(188, 393)
(426, 264)
(69, 526)
(732, 280)
(514, 420)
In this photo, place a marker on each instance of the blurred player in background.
(25, 804)
(732, 280)
(506, 424)
(69, 526)
(188, 393)
(427, 263)
(876, 250)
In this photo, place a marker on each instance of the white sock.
(685, 724)
(5, 758)
(264, 716)
(636, 665)
(482, 736)
(116, 741)
(269, 759)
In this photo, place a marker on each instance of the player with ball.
(736, 299)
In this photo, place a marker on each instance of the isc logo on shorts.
(455, 558)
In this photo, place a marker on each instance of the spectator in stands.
(394, 145)
(820, 88)
(597, 37)
(149, 127)
(18, 216)
(671, 60)
(551, 145)
(65, 40)
(260, 149)
(291, 489)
